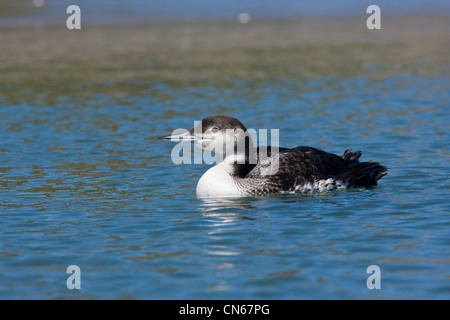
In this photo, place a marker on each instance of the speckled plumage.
(306, 169)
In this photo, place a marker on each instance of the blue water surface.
(88, 185)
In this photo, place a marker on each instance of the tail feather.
(362, 174)
(352, 156)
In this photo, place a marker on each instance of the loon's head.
(220, 134)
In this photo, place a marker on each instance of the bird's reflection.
(218, 204)
(223, 211)
(212, 204)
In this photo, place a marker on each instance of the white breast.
(217, 182)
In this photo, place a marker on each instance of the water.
(83, 182)
(24, 12)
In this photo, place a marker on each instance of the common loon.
(246, 173)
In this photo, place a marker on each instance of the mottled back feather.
(303, 165)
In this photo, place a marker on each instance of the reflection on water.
(216, 205)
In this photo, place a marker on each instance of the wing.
(303, 165)
(297, 166)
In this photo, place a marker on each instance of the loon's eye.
(214, 129)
